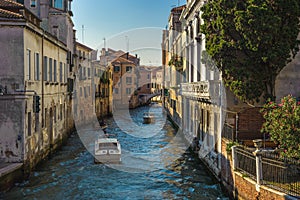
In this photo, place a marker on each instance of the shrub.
(282, 122)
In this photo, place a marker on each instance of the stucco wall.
(11, 128)
(11, 57)
(288, 81)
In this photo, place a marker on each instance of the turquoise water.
(154, 166)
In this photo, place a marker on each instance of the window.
(60, 112)
(89, 73)
(128, 80)
(54, 114)
(65, 73)
(28, 70)
(33, 3)
(129, 69)
(55, 71)
(37, 122)
(116, 90)
(37, 67)
(85, 93)
(60, 72)
(50, 69)
(45, 68)
(148, 76)
(29, 124)
(57, 3)
(148, 85)
(128, 90)
(84, 72)
(116, 68)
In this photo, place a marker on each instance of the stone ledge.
(10, 167)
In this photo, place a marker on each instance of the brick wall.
(249, 124)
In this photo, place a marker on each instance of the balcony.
(203, 90)
(195, 90)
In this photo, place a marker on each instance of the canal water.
(156, 164)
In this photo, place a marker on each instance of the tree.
(251, 41)
(282, 122)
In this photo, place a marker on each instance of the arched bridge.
(145, 98)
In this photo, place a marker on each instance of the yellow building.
(124, 83)
(103, 91)
(84, 101)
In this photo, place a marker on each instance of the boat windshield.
(108, 146)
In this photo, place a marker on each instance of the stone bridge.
(145, 98)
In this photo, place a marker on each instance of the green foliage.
(104, 80)
(251, 41)
(230, 145)
(283, 125)
(177, 63)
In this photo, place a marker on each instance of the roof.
(121, 60)
(83, 46)
(178, 9)
(9, 3)
(9, 14)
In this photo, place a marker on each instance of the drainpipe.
(43, 65)
(236, 126)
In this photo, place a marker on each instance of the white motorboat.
(107, 150)
(148, 117)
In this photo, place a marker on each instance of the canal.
(156, 164)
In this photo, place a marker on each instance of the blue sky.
(119, 19)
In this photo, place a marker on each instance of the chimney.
(103, 52)
(127, 55)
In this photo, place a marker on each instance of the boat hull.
(107, 150)
(148, 120)
(108, 159)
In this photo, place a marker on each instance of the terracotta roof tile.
(121, 60)
(9, 14)
(9, 3)
(178, 9)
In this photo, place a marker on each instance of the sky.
(133, 25)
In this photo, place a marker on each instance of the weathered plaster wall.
(288, 80)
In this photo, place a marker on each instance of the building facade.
(194, 96)
(35, 98)
(192, 90)
(84, 86)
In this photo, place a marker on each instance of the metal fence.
(282, 174)
(279, 173)
(228, 132)
(246, 162)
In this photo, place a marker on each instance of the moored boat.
(107, 150)
(148, 117)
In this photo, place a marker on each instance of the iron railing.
(282, 174)
(228, 132)
(246, 162)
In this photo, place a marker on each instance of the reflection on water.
(157, 166)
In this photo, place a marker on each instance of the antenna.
(127, 43)
(82, 33)
(104, 41)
